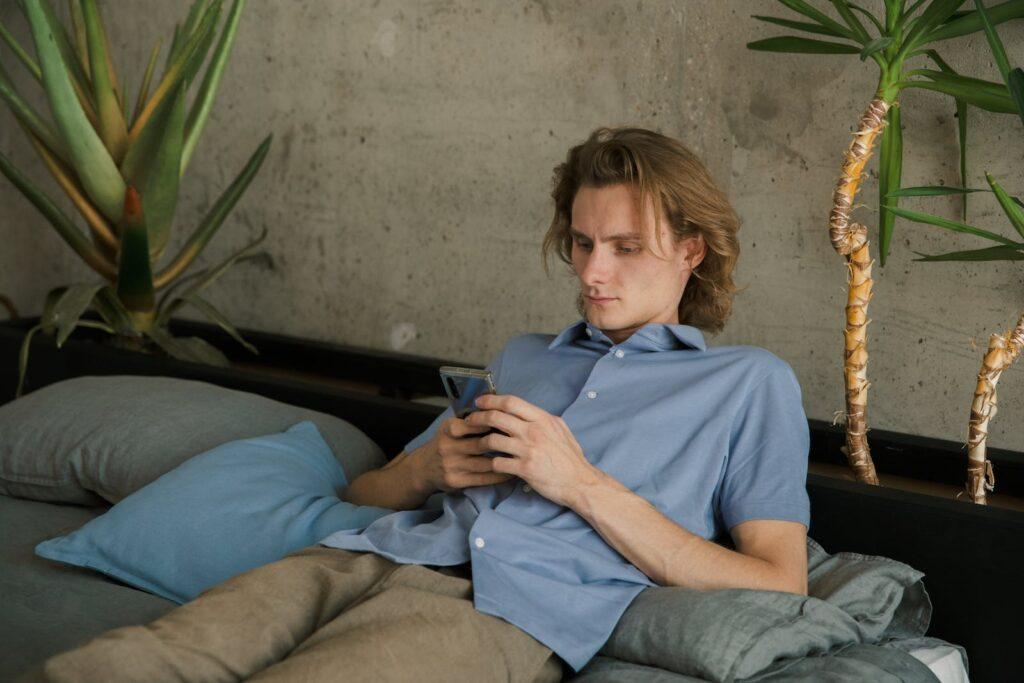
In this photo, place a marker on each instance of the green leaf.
(20, 52)
(215, 216)
(60, 35)
(70, 307)
(851, 20)
(216, 316)
(910, 11)
(797, 45)
(140, 101)
(113, 129)
(192, 349)
(876, 45)
(996, 45)
(1012, 210)
(26, 343)
(1000, 253)
(167, 306)
(870, 16)
(176, 72)
(211, 80)
(113, 311)
(972, 22)
(890, 171)
(802, 7)
(1015, 82)
(932, 191)
(799, 25)
(64, 226)
(46, 319)
(161, 184)
(985, 95)
(195, 13)
(934, 15)
(955, 226)
(203, 48)
(24, 112)
(134, 276)
(94, 165)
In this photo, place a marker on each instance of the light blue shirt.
(710, 436)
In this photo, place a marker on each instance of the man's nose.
(596, 268)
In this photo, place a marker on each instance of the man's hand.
(542, 449)
(452, 460)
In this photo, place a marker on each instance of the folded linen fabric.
(239, 506)
(735, 634)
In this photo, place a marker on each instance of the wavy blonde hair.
(675, 182)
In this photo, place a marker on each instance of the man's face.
(614, 258)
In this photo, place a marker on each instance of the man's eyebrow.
(611, 238)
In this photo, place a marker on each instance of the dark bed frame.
(972, 555)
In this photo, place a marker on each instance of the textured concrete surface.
(407, 190)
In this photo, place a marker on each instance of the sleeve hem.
(767, 510)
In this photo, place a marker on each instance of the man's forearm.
(666, 552)
(399, 485)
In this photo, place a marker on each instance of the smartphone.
(463, 385)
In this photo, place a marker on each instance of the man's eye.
(628, 250)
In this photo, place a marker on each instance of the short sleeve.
(494, 366)
(766, 468)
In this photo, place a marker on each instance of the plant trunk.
(1002, 351)
(851, 240)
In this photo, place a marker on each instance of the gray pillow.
(93, 439)
(730, 634)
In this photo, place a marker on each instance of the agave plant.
(905, 32)
(121, 167)
(1003, 349)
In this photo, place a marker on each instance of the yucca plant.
(905, 32)
(121, 167)
(1003, 349)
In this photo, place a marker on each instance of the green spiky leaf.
(1012, 210)
(215, 217)
(947, 224)
(191, 349)
(793, 44)
(95, 167)
(1000, 253)
(890, 171)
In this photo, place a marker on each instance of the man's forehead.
(607, 238)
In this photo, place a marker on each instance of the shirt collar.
(650, 337)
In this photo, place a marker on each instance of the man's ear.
(696, 249)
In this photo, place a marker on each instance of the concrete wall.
(407, 190)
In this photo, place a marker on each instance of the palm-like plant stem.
(851, 240)
(1003, 349)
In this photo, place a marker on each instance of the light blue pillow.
(236, 507)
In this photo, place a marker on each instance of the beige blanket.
(320, 614)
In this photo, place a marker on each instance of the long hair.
(673, 180)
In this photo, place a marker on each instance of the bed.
(51, 607)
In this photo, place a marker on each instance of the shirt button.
(591, 394)
(479, 542)
(590, 332)
(619, 353)
(527, 488)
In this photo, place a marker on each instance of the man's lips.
(599, 300)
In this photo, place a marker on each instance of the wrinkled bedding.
(862, 617)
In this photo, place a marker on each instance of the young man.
(632, 446)
(634, 454)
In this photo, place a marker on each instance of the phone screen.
(462, 391)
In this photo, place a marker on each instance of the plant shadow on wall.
(121, 166)
(906, 32)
